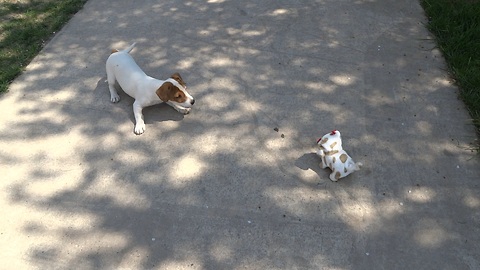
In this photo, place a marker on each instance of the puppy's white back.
(127, 72)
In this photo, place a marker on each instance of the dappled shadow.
(236, 183)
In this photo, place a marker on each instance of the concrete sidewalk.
(220, 188)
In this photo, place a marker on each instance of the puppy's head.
(331, 141)
(174, 90)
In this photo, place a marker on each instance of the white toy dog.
(334, 157)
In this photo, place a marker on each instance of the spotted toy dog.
(334, 157)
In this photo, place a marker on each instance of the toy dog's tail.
(358, 165)
(351, 166)
(127, 50)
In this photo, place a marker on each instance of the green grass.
(456, 26)
(25, 26)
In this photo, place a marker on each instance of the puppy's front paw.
(115, 98)
(182, 109)
(139, 128)
(185, 110)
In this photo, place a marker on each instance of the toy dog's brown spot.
(331, 153)
(343, 158)
(334, 159)
(337, 175)
(333, 145)
(324, 140)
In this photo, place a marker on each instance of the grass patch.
(456, 26)
(25, 26)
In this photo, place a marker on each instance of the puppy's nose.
(193, 101)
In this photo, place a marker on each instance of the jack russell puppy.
(146, 91)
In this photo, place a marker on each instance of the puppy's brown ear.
(176, 76)
(166, 91)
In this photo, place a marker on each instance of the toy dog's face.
(331, 141)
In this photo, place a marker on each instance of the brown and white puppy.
(146, 91)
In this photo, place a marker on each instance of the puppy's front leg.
(178, 108)
(139, 123)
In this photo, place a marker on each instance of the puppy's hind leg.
(114, 97)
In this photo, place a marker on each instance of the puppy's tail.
(130, 48)
(127, 50)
